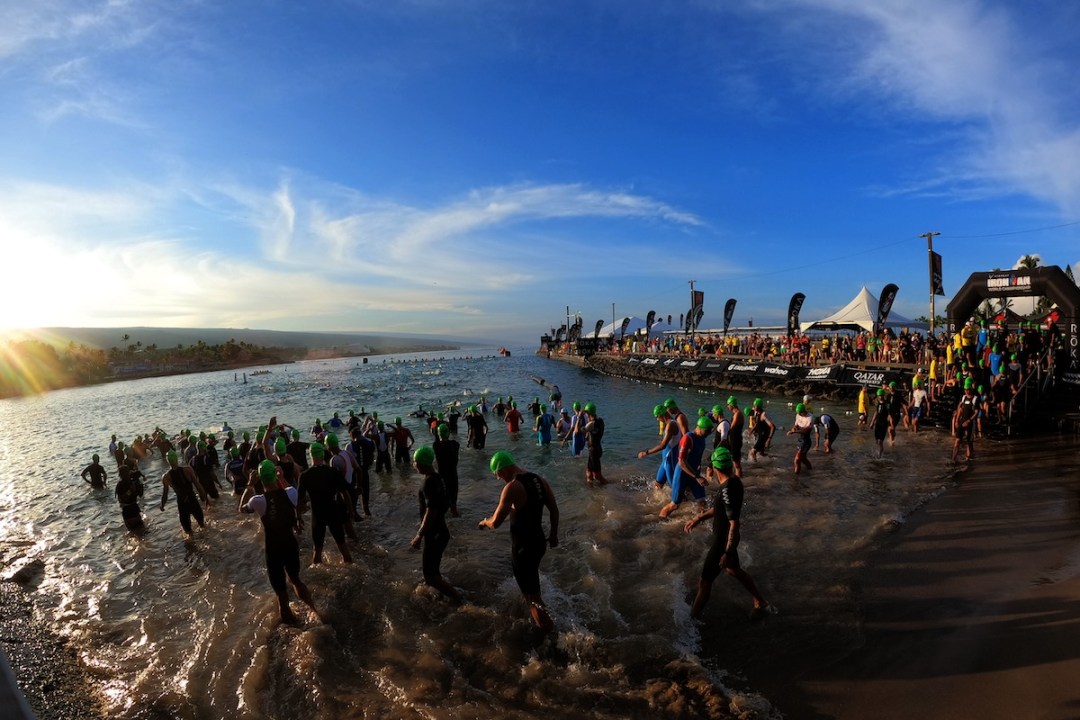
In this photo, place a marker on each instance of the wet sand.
(971, 609)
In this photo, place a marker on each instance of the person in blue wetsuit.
(688, 476)
(542, 426)
(669, 442)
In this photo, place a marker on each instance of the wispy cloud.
(967, 63)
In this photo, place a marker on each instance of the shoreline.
(970, 608)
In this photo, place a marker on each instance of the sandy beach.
(970, 609)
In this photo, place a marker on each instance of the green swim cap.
(721, 459)
(758, 403)
(732, 402)
(424, 455)
(234, 452)
(247, 435)
(317, 450)
(704, 423)
(229, 434)
(397, 421)
(980, 388)
(658, 410)
(701, 412)
(969, 383)
(514, 405)
(800, 408)
(296, 433)
(500, 461)
(201, 445)
(670, 404)
(440, 416)
(374, 416)
(590, 408)
(332, 441)
(576, 406)
(747, 410)
(443, 431)
(268, 472)
(95, 457)
(171, 457)
(279, 446)
(881, 392)
(717, 410)
(543, 407)
(472, 408)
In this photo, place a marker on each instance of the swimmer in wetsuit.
(128, 491)
(802, 426)
(185, 484)
(328, 492)
(276, 507)
(433, 533)
(96, 473)
(524, 497)
(723, 555)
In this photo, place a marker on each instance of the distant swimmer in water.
(723, 555)
(335, 423)
(128, 491)
(276, 508)
(184, 484)
(433, 533)
(94, 473)
(523, 499)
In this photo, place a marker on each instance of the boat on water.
(504, 352)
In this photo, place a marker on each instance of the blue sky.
(470, 168)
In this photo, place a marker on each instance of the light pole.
(933, 288)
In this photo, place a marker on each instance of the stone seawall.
(834, 382)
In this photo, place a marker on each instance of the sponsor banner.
(736, 367)
(1073, 378)
(713, 365)
(825, 373)
(935, 274)
(586, 345)
(671, 362)
(687, 364)
(599, 325)
(729, 312)
(781, 372)
(633, 360)
(651, 361)
(793, 313)
(888, 295)
(1008, 283)
(873, 378)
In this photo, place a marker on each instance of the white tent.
(860, 314)
(615, 328)
(660, 327)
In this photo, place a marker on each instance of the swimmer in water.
(523, 499)
(185, 484)
(128, 491)
(96, 473)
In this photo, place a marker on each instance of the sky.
(474, 168)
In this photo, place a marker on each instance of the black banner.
(935, 274)
(625, 323)
(793, 313)
(781, 372)
(587, 345)
(599, 325)
(888, 295)
(689, 321)
(714, 365)
(729, 312)
(697, 316)
(873, 378)
(738, 367)
(824, 373)
(560, 333)
(649, 321)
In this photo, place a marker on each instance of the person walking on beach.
(185, 484)
(447, 452)
(963, 422)
(723, 555)
(276, 508)
(523, 499)
(433, 533)
(802, 426)
(687, 475)
(329, 493)
(594, 435)
(94, 474)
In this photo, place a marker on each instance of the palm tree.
(1028, 262)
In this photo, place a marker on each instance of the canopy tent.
(660, 327)
(635, 323)
(859, 314)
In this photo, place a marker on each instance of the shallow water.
(176, 628)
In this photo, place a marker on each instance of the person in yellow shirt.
(864, 403)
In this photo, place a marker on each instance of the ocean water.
(176, 628)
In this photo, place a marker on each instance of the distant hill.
(346, 342)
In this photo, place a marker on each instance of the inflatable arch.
(1050, 281)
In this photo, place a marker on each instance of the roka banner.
(729, 312)
(888, 295)
(622, 330)
(596, 332)
(793, 313)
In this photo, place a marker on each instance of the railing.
(1030, 395)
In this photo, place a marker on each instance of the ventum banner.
(793, 313)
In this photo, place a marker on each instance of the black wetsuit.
(204, 470)
(128, 492)
(477, 430)
(97, 475)
(446, 459)
(435, 500)
(282, 549)
(881, 419)
(965, 424)
(595, 431)
(528, 543)
(187, 503)
(234, 473)
(728, 503)
(324, 485)
(735, 435)
(298, 450)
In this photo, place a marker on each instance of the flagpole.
(930, 256)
